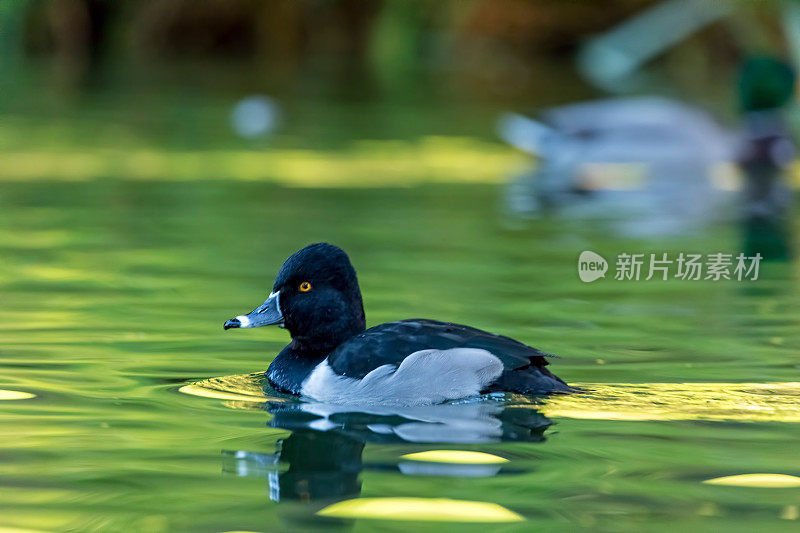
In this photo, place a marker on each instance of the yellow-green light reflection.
(455, 457)
(757, 480)
(421, 509)
(15, 395)
(775, 402)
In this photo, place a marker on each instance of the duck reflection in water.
(324, 450)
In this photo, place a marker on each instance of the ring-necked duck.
(334, 358)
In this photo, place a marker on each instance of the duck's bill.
(266, 314)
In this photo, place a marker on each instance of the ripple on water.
(769, 402)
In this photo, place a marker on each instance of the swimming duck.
(334, 358)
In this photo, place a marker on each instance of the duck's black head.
(315, 296)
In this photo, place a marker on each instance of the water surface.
(114, 293)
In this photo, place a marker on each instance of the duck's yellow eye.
(305, 286)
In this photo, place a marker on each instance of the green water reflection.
(113, 295)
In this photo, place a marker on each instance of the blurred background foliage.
(138, 88)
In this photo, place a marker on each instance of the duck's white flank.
(424, 377)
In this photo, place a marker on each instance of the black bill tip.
(232, 323)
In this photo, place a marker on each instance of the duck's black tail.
(531, 380)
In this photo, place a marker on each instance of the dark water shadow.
(322, 457)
